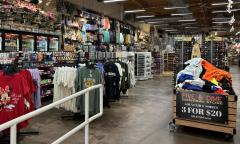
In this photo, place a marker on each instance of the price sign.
(202, 106)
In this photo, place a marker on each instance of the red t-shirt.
(14, 98)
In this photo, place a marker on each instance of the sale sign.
(202, 106)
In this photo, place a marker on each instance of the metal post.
(86, 118)
(13, 134)
(101, 100)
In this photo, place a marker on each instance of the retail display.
(158, 63)
(52, 49)
(143, 66)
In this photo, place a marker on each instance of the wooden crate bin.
(229, 128)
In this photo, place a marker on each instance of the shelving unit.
(143, 68)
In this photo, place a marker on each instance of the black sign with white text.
(202, 106)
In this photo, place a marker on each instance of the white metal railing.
(13, 123)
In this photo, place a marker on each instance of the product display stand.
(219, 117)
(143, 61)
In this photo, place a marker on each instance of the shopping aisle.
(141, 119)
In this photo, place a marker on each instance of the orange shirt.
(213, 72)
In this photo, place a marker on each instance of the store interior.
(146, 71)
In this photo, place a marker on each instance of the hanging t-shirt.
(14, 98)
(125, 78)
(106, 36)
(86, 78)
(196, 53)
(112, 78)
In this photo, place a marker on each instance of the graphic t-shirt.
(14, 98)
(86, 78)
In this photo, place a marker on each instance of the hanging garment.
(64, 85)
(121, 40)
(36, 97)
(107, 25)
(112, 78)
(196, 53)
(106, 36)
(131, 70)
(15, 96)
(86, 78)
(125, 78)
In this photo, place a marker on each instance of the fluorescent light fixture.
(112, 1)
(181, 14)
(223, 11)
(190, 20)
(217, 4)
(224, 3)
(191, 27)
(170, 30)
(153, 22)
(221, 22)
(175, 7)
(135, 11)
(220, 18)
(145, 16)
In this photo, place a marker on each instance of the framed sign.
(202, 106)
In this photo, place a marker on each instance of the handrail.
(13, 123)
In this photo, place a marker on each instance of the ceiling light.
(135, 11)
(183, 20)
(191, 27)
(221, 22)
(223, 11)
(218, 4)
(175, 7)
(154, 22)
(181, 14)
(145, 16)
(220, 18)
(170, 30)
(111, 1)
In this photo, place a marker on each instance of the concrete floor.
(141, 119)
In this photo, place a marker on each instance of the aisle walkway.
(141, 119)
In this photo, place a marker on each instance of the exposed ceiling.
(207, 16)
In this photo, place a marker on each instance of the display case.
(27, 42)
(42, 42)
(11, 42)
(53, 44)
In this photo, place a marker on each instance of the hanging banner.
(202, 106)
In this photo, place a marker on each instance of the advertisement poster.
(202, 106)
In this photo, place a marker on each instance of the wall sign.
(202, 106)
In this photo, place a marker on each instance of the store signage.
(202, 106)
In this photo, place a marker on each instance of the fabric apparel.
(107, 25)
(196, 53)
(198, 82)
(121, 39)
(184, 77)
(64, 85)
(191, 87)
(125, 78)
(131, 70)
(106, 36)
(36, 97)
(112, 79)
(100, 67)
(194, 68)
(86, 78)
(213, 72)
(15, 101)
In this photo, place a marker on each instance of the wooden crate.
(229, 128)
